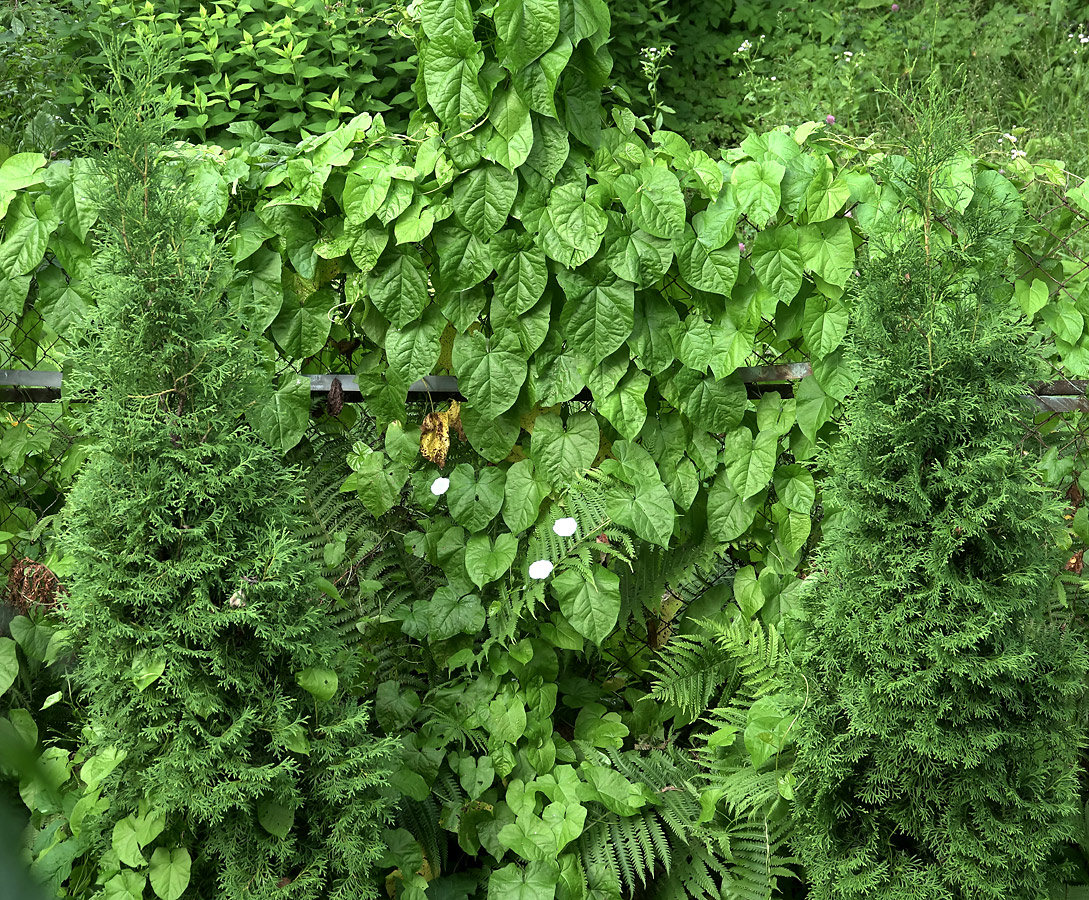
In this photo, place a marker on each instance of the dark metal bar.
(25, 378)
(21, 385)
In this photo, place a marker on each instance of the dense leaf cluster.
(937, 754)
(228, 749)
(571, 596)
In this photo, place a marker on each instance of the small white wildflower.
(1014, 154)
(565, 527)
(1011, 138)
(1083, 38)
(440, 486)
(773, 78)
(540, 569)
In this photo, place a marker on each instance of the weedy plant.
(226, 753)
(937, 756)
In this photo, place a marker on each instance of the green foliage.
(937, 751)
(33, 68)
(207, 665)
(518, 578)
(280, 67)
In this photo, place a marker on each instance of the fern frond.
(688, 673)
(420, 818)
(585, 502)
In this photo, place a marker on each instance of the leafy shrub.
(33, 68)
(224, 746)
(938, 751)
(282, 65)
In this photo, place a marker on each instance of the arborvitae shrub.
(206, 654)
(937, 752)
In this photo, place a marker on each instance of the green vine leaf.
(365, 189)
(524, 493)
(450, 74)
(652, 196)
(275, 818)
(483, 198)
(599, 313)
(126, 845)
(507, 717)
(828, 249)
(398, 288)
(486, 561)
(260, 296)
(710, 403)
(591, 605)
(449, 614)
(464, 259)
(536, 882)
(170, 872)
(320, 683)
(560, 452)
(824, 325)
(512, 142)
(71, 187)
(412, 351)
(282, 420)
(536, 83)
(492, 438)
(521, 273)
(814, 407)
(526, 29)
(626, 406)
(574, 227)
(490, 371)
(777, 262)
(795, 488)
(714, 271)
(750, 460)
(24, 246)
(757, 185)
(729, 515)
(475, 499)
(649, 513)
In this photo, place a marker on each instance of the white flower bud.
(565, 527)
(540, 569)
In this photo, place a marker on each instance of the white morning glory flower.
(440, 486)
(565, 527)
(540, 569)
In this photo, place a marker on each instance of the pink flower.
(831, 120)
(741, 246)
(896, 7)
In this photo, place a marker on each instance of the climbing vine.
(522, 559)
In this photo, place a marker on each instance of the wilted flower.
(565, 527)
(540, 569)
(440, 486)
